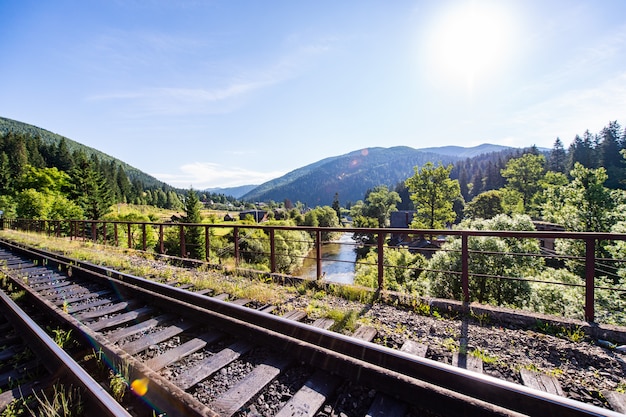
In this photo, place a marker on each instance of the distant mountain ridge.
(352, 174)
(236, 192)
(349, 175)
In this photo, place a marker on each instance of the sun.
(472, 41)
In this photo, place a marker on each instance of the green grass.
(345, 321)
(483, 356)
(65, 401)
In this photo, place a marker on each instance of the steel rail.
(58, 362)
(338, 353)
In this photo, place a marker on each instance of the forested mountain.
(45, 174)
(49, 139)
(349, 175)
(478, 169)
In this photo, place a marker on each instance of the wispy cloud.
(197, 91)
(573, 112)
(201, 175)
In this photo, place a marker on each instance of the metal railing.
(136, 235)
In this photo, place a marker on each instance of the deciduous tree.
(523, 175)
(433, 194)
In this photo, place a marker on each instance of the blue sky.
(226, 93)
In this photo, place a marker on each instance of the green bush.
(400, 272)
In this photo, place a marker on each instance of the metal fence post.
(272, 251)
(465, 267)
(318, 252)
(161, 248)
(207, 244)
(143, 237)
(236, 242)
(590, 270)
(183, 246)
(381, 260)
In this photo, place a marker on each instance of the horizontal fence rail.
(246, 244)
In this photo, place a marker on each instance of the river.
(338, 260)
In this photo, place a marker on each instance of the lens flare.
(140, 386)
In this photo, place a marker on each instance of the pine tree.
(557, 161)
(90, 188)
(6, 180)
(611, 159)
(194, 239)
(123, 184)
(583, 151)
(62, 158)
(336, 206)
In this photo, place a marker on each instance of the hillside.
(351, 175)
(50, 138)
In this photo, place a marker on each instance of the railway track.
(190, 353)
(31, 364)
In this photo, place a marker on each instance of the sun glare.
(472, 41)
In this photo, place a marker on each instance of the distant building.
(547, 244)
(258, 215)
(414, 243)
(400, 220)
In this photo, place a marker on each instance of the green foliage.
(8, 206)
(610, 305)
(345, 321)
(90, 189)
(484, 206)
(64, 402)
(194, 235)
(379, 203)
(32, 204)
(63, 338)
(291, 247)
(512, 201)
(401, 267)
(49, 180)
(560, 300)
(353, 293)
(433, 194)
(33, 158)
(323, 217)
(489, 256)
(16, 408)
(583, 205)
(572, 333)
(523, 175)
(365, 239)
(483, 355)
(254, 246)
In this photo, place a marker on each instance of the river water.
(338, 260)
